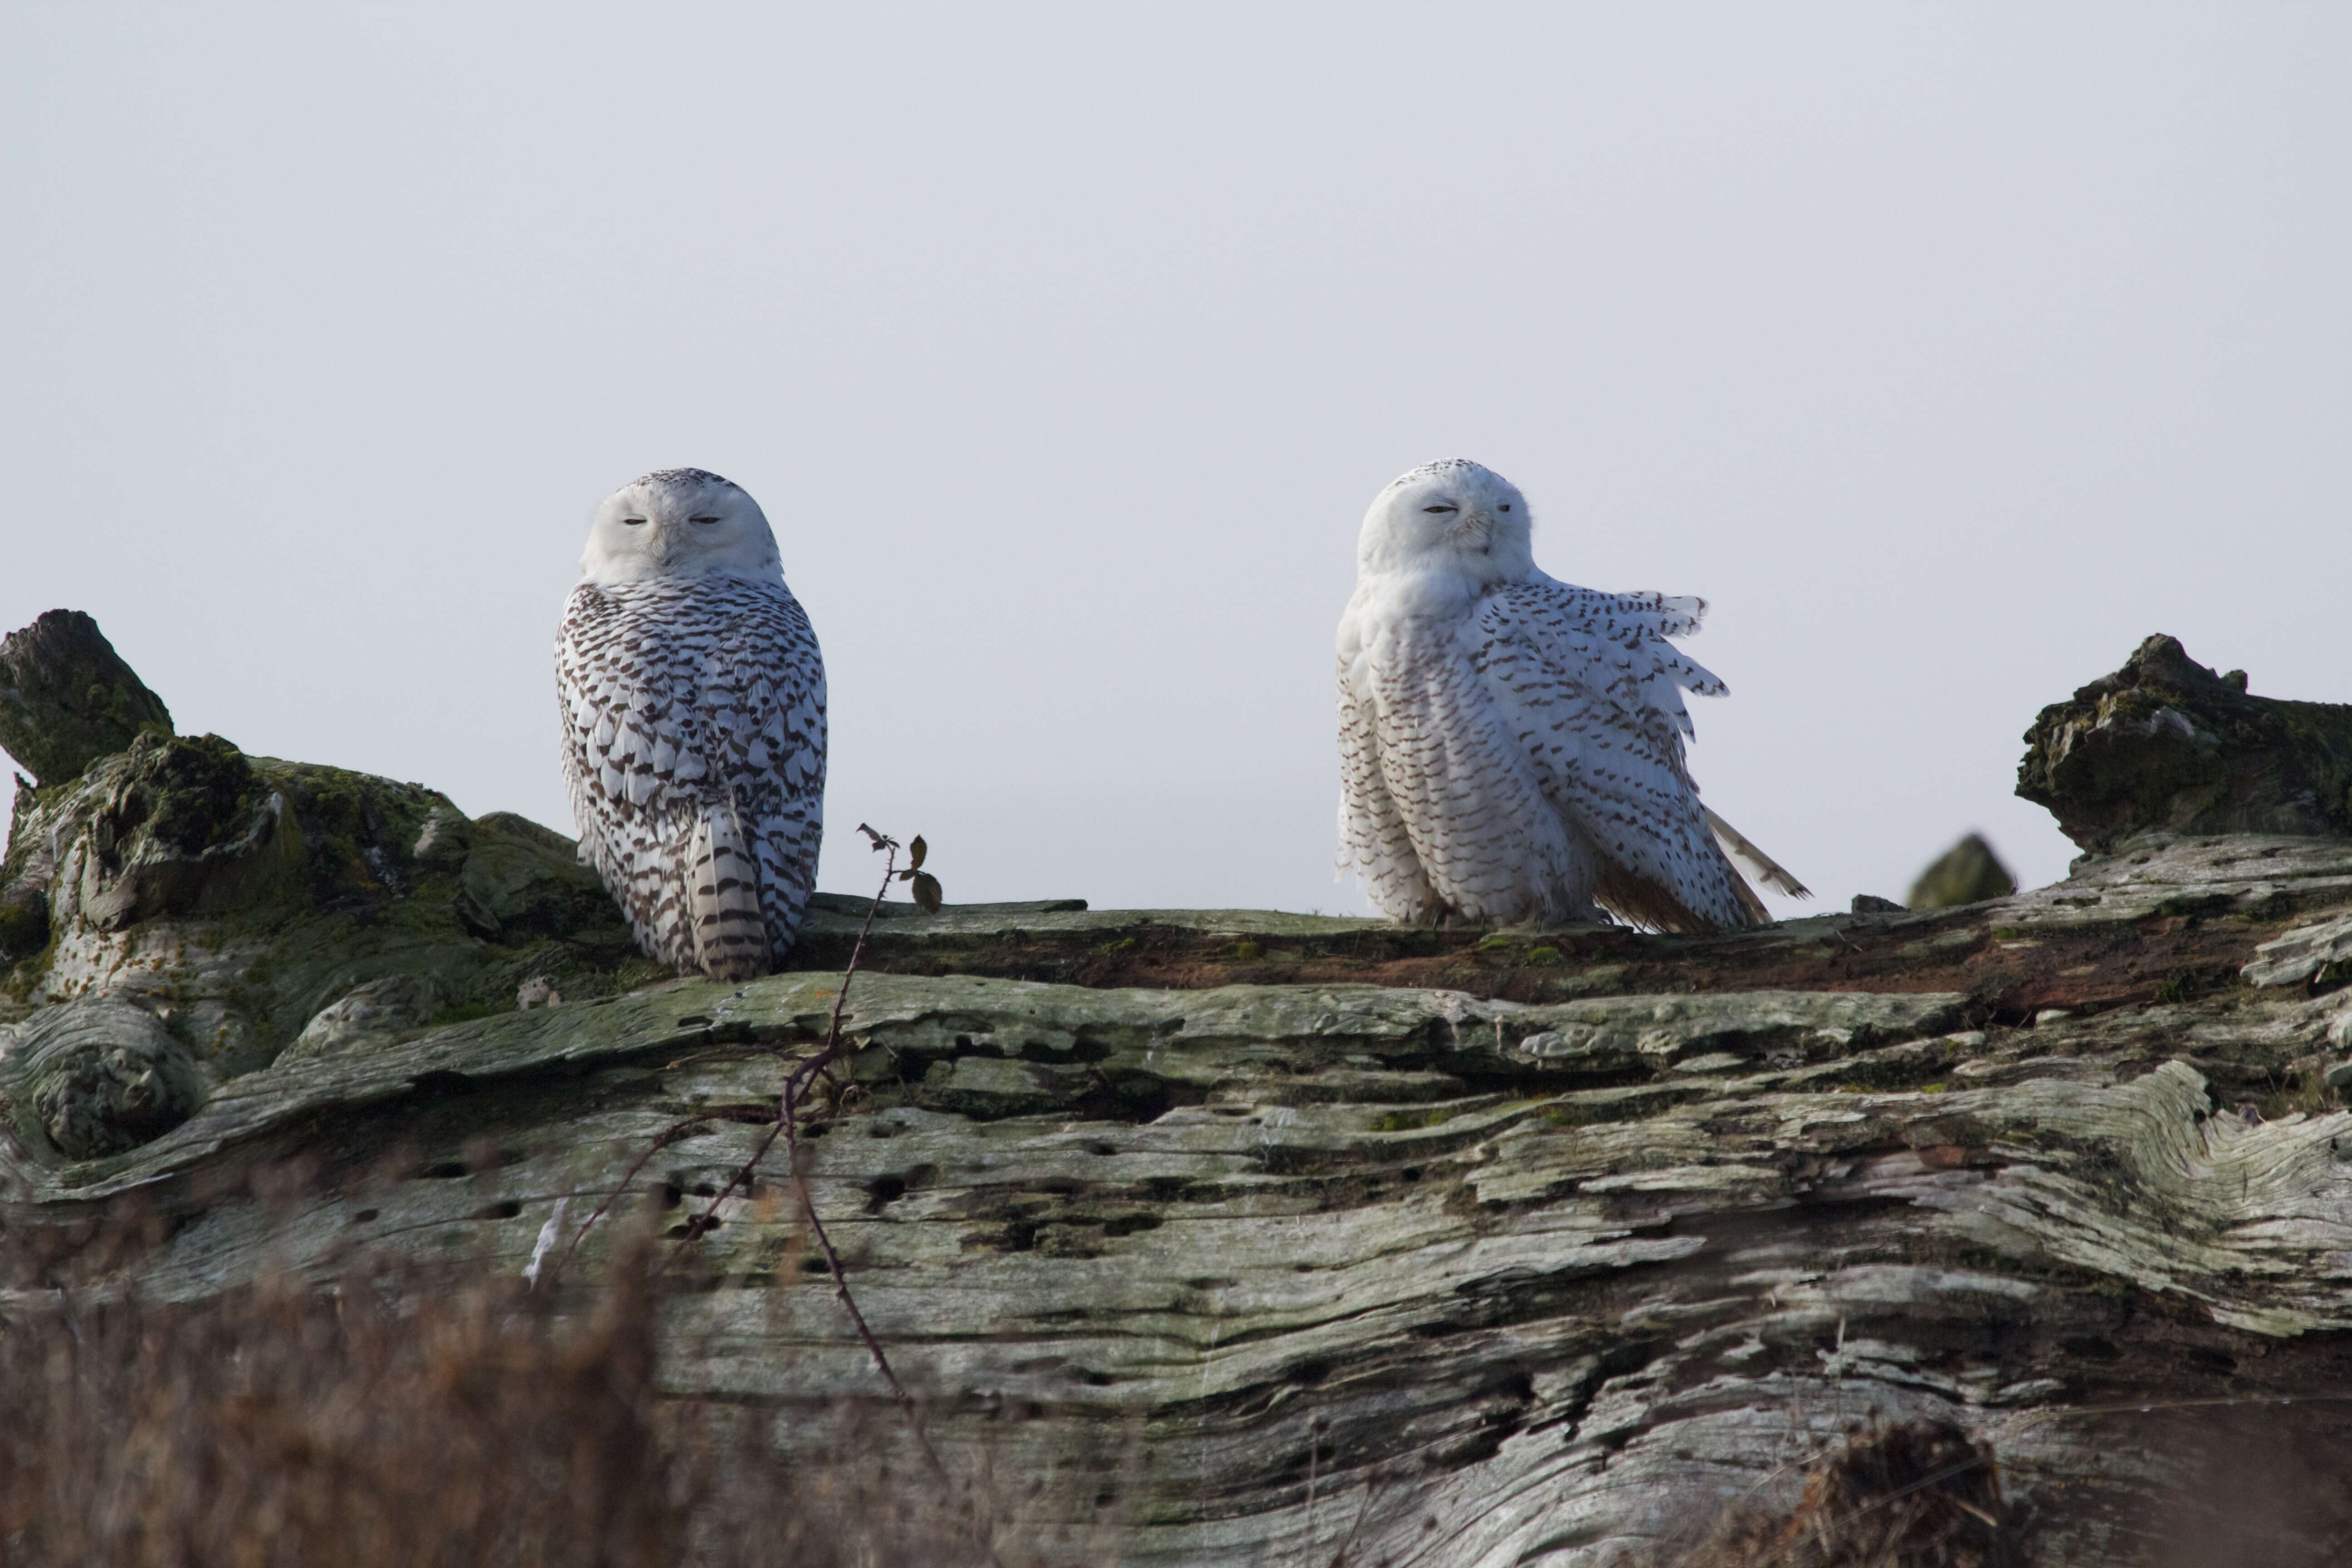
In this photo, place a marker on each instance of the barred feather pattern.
(1511, 746)
(1589, 690)
(694, 736)
(1445, 814)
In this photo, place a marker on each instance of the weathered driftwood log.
(2164, 744)
(1482, 1281)
(1459, 1248)
(66, 697)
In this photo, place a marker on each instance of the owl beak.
(1477, 530)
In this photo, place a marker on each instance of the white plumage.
(1510, 745)
(693, 709)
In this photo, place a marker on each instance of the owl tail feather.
(1754, 861)
(722, 905)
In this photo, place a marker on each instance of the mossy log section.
(66, 697)
(1293, 1260)
(241, 899)
(2164, 744)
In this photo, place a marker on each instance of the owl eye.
(635, 521)
(1506, 506)
(702, 519)
(1448, 507)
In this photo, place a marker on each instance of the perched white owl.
(1511, 746)
(693, 702)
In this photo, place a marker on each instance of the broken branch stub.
(66, 697)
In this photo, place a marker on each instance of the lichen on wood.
(242, 897)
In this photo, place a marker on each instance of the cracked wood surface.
(2166, 914)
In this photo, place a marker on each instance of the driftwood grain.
(1482, 1281)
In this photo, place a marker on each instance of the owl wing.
(633, 761)
(1375, 842)
(1594, 692)
(763, 709)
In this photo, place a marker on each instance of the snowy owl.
(1511, 746)
(693, 709)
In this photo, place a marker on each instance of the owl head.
(1454, 516)
(680, 523)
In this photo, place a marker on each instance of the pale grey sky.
(1949, 349)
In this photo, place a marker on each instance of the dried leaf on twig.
(926, 889)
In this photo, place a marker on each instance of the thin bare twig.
(662, 1140)
(799, 1077)
(787, 1126)
(1372, 1488)
(840, 1291)
(789, 1122)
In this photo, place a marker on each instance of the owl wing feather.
(624, 716)
(1754, 861)
(1593, 691)
(775, 752)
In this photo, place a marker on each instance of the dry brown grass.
(400, 1419)
(1917, 1494)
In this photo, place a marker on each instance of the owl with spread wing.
(1511, 745)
